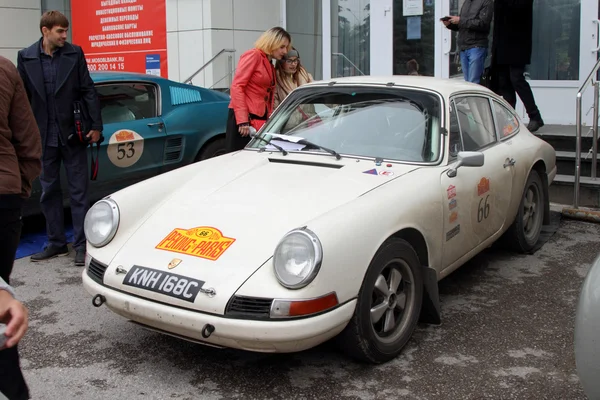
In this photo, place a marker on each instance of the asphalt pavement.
(506, 333)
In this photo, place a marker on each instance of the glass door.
(565, 49)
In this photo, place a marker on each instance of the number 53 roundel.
(125, 147)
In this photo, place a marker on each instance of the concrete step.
(565, 163)
(562, 191)
(562, 137)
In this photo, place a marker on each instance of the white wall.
(199, 29)
(20, 26)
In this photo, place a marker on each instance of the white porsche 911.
(337, 220)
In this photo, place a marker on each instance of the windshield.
(391, 123)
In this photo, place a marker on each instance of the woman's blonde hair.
(272, 39)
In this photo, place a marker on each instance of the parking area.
(506, 333)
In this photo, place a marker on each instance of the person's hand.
(94, 136)
(15, 315)
(244, 130)
(446, 23)
(454, 20)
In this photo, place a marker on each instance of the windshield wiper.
(255, 136)
(318, 146)
(299, 140)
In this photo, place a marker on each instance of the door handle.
(159, 124)
(509, 162)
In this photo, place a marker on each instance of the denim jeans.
(472, 61)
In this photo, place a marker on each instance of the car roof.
(124, 76)
(446, 87)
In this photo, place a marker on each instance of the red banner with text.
(122, 35)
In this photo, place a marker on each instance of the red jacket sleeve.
(248, 63)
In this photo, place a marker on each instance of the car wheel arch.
(540, 167)
(430, 309)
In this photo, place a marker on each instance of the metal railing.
(229, 73)
(578, 126)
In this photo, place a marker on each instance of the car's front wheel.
(525, 231)
(388, 306)
(213, 149)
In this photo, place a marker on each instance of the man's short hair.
(50, 19)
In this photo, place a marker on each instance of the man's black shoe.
(535, 124)
(80, 257)
(50, 252)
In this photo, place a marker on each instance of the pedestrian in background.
(56, 77)
(20, 153)
(473, 26)
(511, 52)
(253, 87)
(15, 316)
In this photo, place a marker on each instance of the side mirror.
(467, 159)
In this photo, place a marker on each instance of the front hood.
(226, 222)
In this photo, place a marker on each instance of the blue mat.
(34, 242)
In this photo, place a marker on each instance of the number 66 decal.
(125, 147)
(483, 210)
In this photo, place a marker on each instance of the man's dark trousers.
(511, 81)
(74, 157)
(10, 232)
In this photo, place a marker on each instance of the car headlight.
(101, 222)
(297, 258)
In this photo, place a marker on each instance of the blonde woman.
(253, 87)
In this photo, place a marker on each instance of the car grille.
(249, 307)
(96, 271)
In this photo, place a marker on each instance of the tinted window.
(476, 123)
(127, 102)
(506, 122)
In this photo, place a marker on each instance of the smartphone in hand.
(444, 19)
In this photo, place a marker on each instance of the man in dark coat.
(55, 75)
(511, 52)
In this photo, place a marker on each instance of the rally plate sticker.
(173, 285)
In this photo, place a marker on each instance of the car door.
(134, 133)
(477, 198)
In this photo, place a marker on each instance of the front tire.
(388, 306)
(213, 149)
(525, 231)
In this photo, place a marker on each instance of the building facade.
(352, 37)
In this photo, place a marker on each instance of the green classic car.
(151, 125)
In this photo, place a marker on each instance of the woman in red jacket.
(253, 87)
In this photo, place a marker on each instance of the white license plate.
(173, 285)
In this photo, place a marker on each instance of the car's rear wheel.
(213, 149)
(388, 306)
(525, 231)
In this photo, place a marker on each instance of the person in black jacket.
(55, 75)
(511, 52)
(473, 26)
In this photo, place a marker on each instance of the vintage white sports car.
(337, 220)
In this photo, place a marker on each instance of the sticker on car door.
(125, 148)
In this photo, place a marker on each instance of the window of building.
(350, 38)
(304, 21)
(556, 40)
(475, 121)
(127, 102)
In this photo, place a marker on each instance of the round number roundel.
(125, 147)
